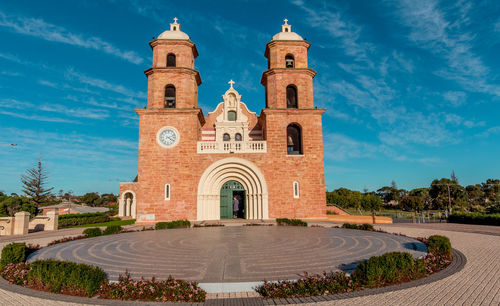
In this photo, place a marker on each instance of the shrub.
(329, 212)
(81, 219)
(169, 290)
(16, 273)
(172, 224)
(475, 218)
(328, 283)
(13, 253)
(290, 222)
(439, 245)
(363, 227)
(64, 276)
(93, 232)
(112, 229)
(389, 268)
(66, 239)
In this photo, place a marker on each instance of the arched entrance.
(126, 205)
(228, 192)
(232, 169)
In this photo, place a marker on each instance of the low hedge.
(13, 253)
(439, 245)
(112, 229)
(73, 221)
(93, 232)
(389, 268)
(64, 276)
(363, 227)
(78, 216)
(290, 222)
(172, 224)
(475, 218)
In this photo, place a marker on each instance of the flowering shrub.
(327, 283)
(378, 271)
(169, 290)
(290, 222)
(66, 239)
(16, 273)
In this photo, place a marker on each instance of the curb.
(458, 263)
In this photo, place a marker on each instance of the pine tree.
(453, 176)
(34, 182)
(393, 184)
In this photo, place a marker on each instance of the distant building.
(191, 166)
(65, 208)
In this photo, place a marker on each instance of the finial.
(285, 20)
(231, 82)
(175, 19)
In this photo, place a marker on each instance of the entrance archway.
(232, 169)
(126, 204)
(229, 190)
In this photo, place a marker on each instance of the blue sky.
(411, 88)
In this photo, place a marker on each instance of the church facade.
(192, 166)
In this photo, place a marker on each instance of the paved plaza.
(230, 254)
(478, 283)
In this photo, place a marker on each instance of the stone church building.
(191, 166)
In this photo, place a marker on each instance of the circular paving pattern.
(230, 254)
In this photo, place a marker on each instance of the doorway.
(228, 191)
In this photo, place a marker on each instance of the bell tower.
(288, 80)
(172, 80)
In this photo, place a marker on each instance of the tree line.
(36, 194)
(442, 194)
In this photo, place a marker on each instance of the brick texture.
(182, 167)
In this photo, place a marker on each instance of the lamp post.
(8, 144)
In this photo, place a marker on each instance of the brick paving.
(478, 283)
(230, 254)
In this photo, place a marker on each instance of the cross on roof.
(285, 20)
(231, 83)
(175, 19)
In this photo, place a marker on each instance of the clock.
(167, 137)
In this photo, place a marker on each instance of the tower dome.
(286, 33)
(174, 32)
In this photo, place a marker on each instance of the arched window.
(171, 60)
(170, 96)
(289, 61)
(226, 137)
(291, 97)
(293, 140)
(237, 137)
(231, 116)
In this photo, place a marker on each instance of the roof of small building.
(286, 33)
(174, 33)
(76, 207)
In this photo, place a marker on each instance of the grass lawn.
(117, 222)
(394, 213)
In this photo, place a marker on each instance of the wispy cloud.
(37, 27)
(456, 98)
(430, 29)
(346, 32)
(103, 84)
(36, 117)
(74, 112)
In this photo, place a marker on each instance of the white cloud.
(43, 30)
(37, 117)
(75, 112)
(103, 84)
(13, 103)
(456, 98)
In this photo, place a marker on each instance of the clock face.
(168, 137)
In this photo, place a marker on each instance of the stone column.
(53, 222)
(21, 223)
(128, 204)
